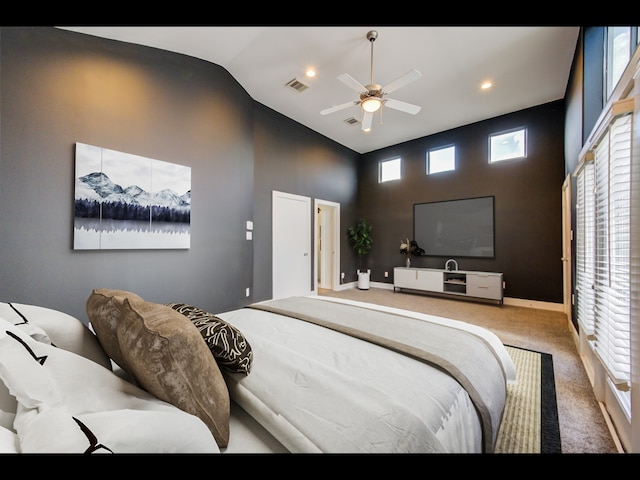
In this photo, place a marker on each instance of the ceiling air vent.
(297, 85)
(352, 121)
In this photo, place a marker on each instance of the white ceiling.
(528, 66)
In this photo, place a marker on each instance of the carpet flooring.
(583, 429)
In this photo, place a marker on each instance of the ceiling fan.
(373, 96)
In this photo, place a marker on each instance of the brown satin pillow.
(104, 309)
(168, 357)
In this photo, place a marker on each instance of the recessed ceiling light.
(310, 73)
(486, 85)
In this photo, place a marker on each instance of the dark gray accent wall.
(527, 191)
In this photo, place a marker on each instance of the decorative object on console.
(361, 240)
(405, 250)
(409, 248)
(449, 265)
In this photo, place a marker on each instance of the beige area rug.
(530, 419)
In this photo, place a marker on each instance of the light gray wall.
(292, 158)
(59, 88)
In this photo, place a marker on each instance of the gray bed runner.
(465, 356)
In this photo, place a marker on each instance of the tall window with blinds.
(585, 247)
(603, 273)
(612, 272)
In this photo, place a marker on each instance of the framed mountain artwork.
(125, 201)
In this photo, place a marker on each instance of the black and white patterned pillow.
(229, 346)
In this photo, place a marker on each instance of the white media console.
(485, 285)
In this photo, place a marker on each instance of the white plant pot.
(363, 279)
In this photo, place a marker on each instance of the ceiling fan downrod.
(371, 36)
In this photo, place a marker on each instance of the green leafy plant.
(360, 238)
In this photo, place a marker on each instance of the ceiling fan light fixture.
(371, 104)
(373, 96)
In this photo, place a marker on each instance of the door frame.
(332, 238)
(567, 237)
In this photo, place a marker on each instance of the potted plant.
(361, 240)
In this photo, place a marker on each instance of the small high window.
(508, 145)
(441, 160)
(618, 53)
(389, 170)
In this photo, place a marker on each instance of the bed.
(301, 375)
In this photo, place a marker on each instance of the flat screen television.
(456, 228)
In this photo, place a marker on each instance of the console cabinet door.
(417, 279)
(405, 277)
(430, 280)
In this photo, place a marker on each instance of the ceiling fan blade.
(367, 119)
(351, 82)
(402, 106)
(405, 79)
(339, 107)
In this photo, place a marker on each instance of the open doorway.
(326, 245)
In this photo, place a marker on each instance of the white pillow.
(60, 329)
(8, 402)
(69, 404)
(8, 441)
(7, 417)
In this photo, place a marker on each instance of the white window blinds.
(612, 249)
(585, 248)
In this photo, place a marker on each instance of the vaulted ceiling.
(528, 66)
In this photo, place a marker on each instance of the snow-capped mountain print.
(128, 201)
(99, 187)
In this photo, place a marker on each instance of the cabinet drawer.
(480, 280)
(485, 291)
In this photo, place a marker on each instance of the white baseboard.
(520, 302)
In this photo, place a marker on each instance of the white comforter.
(317, 390)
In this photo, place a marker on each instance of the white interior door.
(291, 245)
(327, 244)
